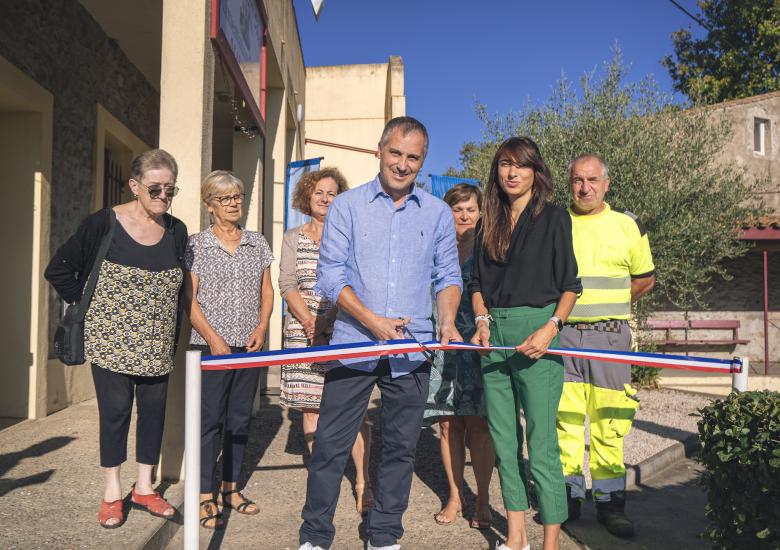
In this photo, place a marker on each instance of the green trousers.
(512, 381)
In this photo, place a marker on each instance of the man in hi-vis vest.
(616, 269)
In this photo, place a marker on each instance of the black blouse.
(540, 263)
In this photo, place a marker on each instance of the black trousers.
(115, 393)
(344, 401)
(226, 409)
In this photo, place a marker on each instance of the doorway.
(25, 154)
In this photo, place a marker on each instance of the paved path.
(668, 513)
(278, 482)
(50, 487)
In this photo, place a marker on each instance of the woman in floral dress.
(310, 317)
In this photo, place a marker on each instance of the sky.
(504, 53)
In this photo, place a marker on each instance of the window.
(760, 135)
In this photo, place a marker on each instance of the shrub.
(645, 377)
(740, 439)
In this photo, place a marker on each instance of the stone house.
(752, 296)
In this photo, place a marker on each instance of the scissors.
(427, 352)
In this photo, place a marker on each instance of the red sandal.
(109, 511)
(153, 503)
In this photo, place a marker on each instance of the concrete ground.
(50, 487)
(667, 510)
(278, 482)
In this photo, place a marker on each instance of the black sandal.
(219, 522)
(241, 508)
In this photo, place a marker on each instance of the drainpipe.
(766, 312)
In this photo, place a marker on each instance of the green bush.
(740, 439)
(645, 377)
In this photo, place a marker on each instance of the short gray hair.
(154, 159)
(575, 160)
(406, 124)
(217, 182)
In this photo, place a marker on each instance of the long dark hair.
(497, 214)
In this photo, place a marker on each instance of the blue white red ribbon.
(321, 354)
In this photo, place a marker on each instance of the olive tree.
(666, 165)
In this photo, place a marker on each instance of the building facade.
(752, 295)
(85, 86)
(347, 106)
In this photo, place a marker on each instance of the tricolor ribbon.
(321, 354)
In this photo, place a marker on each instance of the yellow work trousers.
(610, 414)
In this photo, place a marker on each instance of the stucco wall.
(60, 46)
(349, 105)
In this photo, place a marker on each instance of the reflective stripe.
(600, 310)
(603, 487)
(606, 283)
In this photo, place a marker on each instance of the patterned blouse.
(130, 325)
(228, 284)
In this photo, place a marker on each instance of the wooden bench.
(697, 324)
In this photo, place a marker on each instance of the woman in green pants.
(523, 287)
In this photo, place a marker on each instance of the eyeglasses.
(225, 200)
(155, 190)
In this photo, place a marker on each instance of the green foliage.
(740, 439)
(662, 164)
(645, 377)
(739, 57)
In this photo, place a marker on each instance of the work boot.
(575, 505)
(612, 514)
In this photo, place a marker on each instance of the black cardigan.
(69, 268)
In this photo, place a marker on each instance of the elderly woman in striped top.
(310, 317)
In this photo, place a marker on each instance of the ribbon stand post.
(739, 380)
(192, 451)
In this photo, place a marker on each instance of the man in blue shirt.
(384, 245)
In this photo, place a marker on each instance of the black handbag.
(69, 336)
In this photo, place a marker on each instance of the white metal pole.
(192, 451)
(739, 380)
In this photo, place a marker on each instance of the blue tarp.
(441, 184)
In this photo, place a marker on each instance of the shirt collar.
(248, 238)
(375, 190)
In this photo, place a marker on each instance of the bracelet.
(487, 317)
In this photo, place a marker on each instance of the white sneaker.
(370, 546)
(505, 547)
(308, 546)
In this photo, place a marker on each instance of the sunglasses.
(155, 190)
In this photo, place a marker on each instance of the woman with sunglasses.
(230, 297)
(523, 288)
(131, 322)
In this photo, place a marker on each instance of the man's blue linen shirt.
(390, 257)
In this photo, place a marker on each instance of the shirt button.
(394, 235)
(392, 284)
(392, 261)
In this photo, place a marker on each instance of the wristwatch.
(557, 322)
(487, 317)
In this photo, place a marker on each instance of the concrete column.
(395, 104)
(186, 105)
(273, 214)
(248, 166)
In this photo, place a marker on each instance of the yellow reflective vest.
(611, 248)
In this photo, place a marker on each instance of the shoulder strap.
(89, 288)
